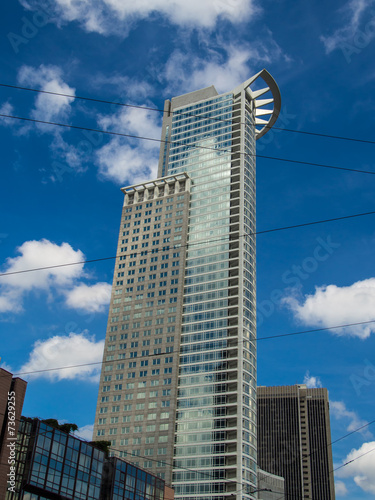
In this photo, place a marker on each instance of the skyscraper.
(178, 384)
(294, 439)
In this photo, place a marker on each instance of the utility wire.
(354, 459)
(148, 108)
(182, 353)
(181, 143)
(167, 247)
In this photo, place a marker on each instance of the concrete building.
(270, 486)
(52, 465)
(12, 395)
(178, 384)
(294, 439)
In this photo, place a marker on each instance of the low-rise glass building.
(53, 465)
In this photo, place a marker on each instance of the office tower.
(294, 439)
(12, 394)
(178, 384)
(52, 464)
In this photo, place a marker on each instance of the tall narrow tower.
(201, 412)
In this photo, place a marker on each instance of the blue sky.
(61, 199)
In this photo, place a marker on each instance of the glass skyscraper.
(182, 324)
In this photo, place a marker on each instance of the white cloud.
(312, 382)
(48, 107)
(340, 489)
(353, 13)
(6, 367)
(43, 253)
(7, 109)
(133, 89)
(92, 298)
(52, 108)
(60, 278)
(225, 67)
(85, 432)
(60, 351)
(332, 305)
(127, 160)
(362, 469)
(118, 16)
(339, 411)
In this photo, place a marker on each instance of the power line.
(180, 143)
(354, 459)
(149, 108)
(167, 247)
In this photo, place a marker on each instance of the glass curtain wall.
(215, 416)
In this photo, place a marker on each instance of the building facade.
(192, 416)
(294, 439)
(53, 465)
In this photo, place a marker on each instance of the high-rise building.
(178, 384)
(294, 439)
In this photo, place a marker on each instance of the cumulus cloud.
(227, 66)
(340, 489)
(88, 298)
(43, 253)
(352, 13)
(361, 468)
(332, 305)
(73, 350)
(60, 278)
(339, 411)
(127, 160)
(119, 16)
(52, 108)
(312, 382)
(48, 107)
(7, 109)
